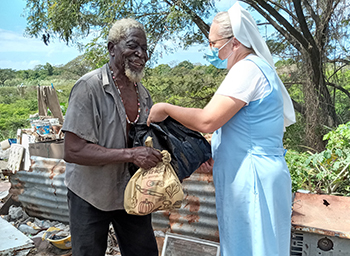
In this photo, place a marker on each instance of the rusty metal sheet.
(322, 214)
(197, 215)
(43, 194)
(42, 191)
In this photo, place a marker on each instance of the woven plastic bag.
(155, 189)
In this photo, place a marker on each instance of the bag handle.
(149, 142)
(166, 158)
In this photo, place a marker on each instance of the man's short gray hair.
(223, 19)
(120, 27)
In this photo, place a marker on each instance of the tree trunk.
(320, 111)
(313, 117)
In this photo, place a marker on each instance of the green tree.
(182, 68)
(77, 66)
(39, 72)
(72, 21)
(49, 69)
(6, 74)
(162, 70)
(312, 34)
(23, 74)
(185, 84)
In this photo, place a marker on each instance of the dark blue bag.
(188, 148)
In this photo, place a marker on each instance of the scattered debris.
(13, 242)
(113, 248)
(31, 232)
(38, 237)
(58, 237)
(4, 154)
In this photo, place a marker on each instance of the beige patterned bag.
(155, 189)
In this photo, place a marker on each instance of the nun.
(248, 115)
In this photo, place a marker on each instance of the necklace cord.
(120, 95)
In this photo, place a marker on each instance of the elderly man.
(103, 105)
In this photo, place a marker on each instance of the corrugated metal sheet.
(322, 214)
(197, 215)
(42, 193)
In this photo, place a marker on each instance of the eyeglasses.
(212, 43)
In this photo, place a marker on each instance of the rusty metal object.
(197, 215)
(322, 214)
(42, 193)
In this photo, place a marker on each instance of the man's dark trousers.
(89, 228)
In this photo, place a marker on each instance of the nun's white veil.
(246, 31)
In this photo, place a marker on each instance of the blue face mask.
(212, 56)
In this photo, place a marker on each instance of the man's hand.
(146, 157)
(207, 167)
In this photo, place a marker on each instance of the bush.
(299, 170)
(328, 171)
(13, 82)
(325, 172)
(17, 103)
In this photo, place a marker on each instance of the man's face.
(131, 53)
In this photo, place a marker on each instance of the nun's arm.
(214, 115)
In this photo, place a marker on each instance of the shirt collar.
(105, 74)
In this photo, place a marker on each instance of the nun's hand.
(157, 113)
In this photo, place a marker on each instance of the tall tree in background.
(313, 33)
(72, 21)
(6, 74)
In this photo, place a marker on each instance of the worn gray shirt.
(97, 114)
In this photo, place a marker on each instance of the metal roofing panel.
(43, 194)
(42, 191)
(197, 215)
(322, 214)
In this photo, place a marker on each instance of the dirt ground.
(44, 248)
(47, 249)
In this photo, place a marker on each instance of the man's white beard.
(134, 77)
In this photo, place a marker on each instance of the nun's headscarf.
(246, 31)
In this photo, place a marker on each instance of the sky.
(20, 52)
